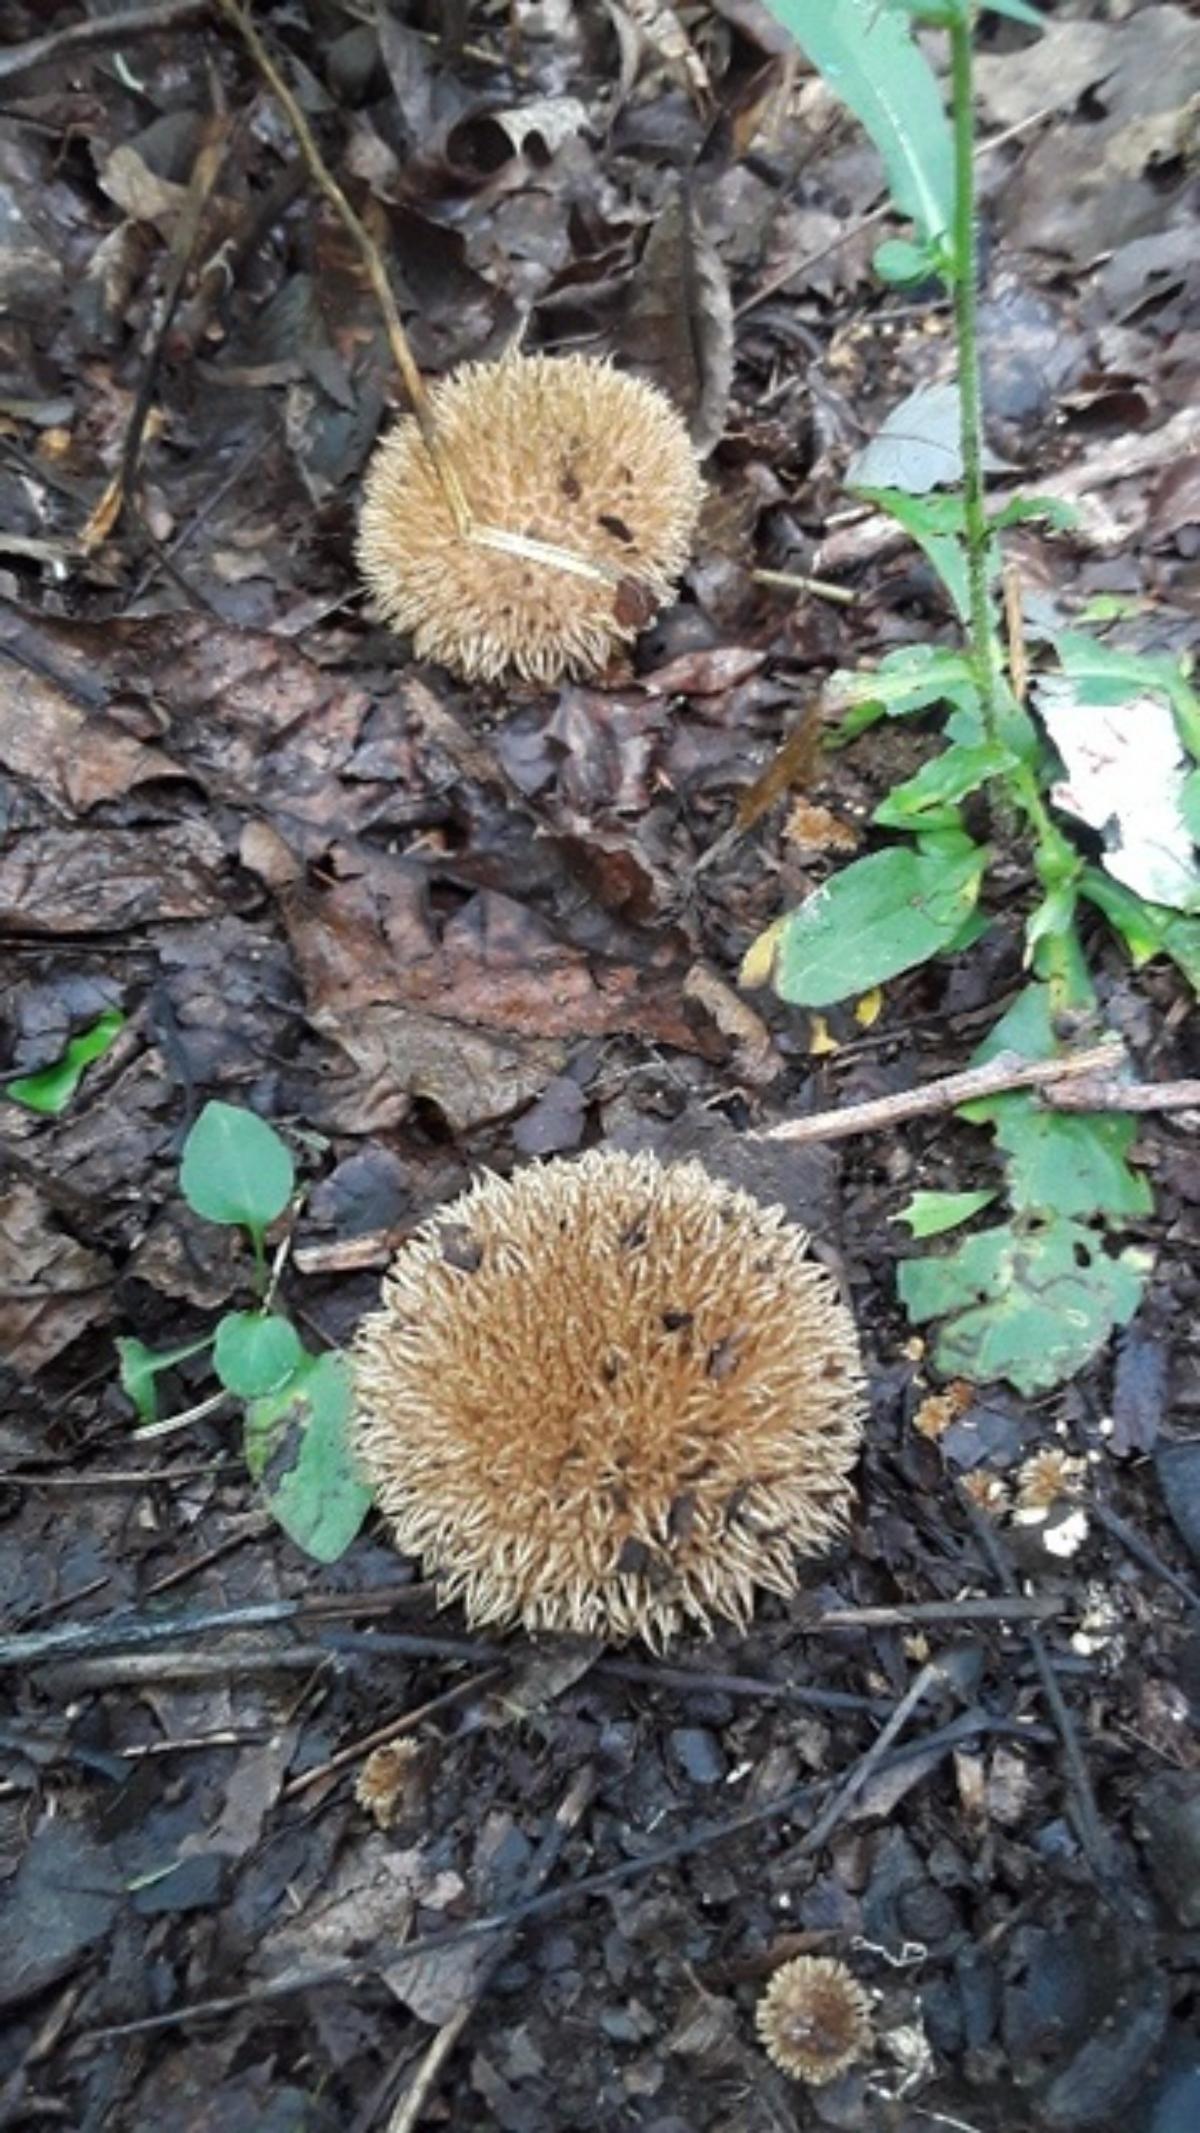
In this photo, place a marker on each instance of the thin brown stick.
(567, 1817)
(206, 170)
(1114, 1095)
(788, 272)
(1007, 1071)
(394, 1730)
(99, 29)
(323, 178)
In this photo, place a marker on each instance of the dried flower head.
(609, 1396)
(988, 1492)
(1043, 1481)
(390, 1780)
(562, 451)
(814, 2019)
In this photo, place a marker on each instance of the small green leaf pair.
(237, 1171)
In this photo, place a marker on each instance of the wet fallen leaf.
(52, 1288)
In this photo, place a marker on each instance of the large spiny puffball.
(609, 1396)
(560, 450)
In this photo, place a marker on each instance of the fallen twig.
(98, 29)
(372, 259)
(131, 1631)
(796, 1801)
(1109, 1093)
(1007, 1071)
(567, 1816)
(1087, 1818)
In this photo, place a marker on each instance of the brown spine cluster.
(610, 1397)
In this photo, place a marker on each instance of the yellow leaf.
(867, 1010)
(758, 963)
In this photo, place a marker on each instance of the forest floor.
(427, 929)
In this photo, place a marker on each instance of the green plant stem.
(983, 648)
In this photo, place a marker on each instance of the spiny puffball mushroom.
(561, 450)
(609, 1396)
(814, 2019)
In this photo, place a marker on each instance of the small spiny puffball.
(609, 1396)
(561, 450)
(814, 2019)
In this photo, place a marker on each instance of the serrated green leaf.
(931, 1214)
(297, 1446)
(1053, 511)
(235, 1168)
(935, 523)
(879, 916)
(50, 1090)
(1146, 929)
(941, 783)
(1109, 674)
(255, 1355)
(1029, 1304)
(870, 60)
(905, 681)
(140, 1366)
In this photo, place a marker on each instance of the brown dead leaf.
(51, 1287)
(794, 764)
(676, 323)
(755, 1056)
(65, 881)
(397, 1053)
(75, 755)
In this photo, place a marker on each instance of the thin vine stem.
(983, 650)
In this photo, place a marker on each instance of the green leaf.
(1032, 1304)
(140, 1366)
(1146, 929)
(1054, 511)
(297, 1445)
(869, 59)
(941, 783)
(50, 1090)
(876, 918)
(935, 523)
(908, 680)
(1070, 1161)
(930, 1214)
(235, 1168)
(255, 1355)
(1016, 10)
(904, 264)
(1109, 674)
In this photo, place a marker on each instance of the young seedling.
(296, 1406)
(1035, 1296)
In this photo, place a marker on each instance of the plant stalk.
(982, 642)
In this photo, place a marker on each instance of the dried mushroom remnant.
(814, 2019)
(609, 1396)
(564, 453)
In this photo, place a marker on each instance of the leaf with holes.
(297, 1445)
(931, 1214)
(1032, 1303)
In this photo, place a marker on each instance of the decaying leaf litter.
(426, 928)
